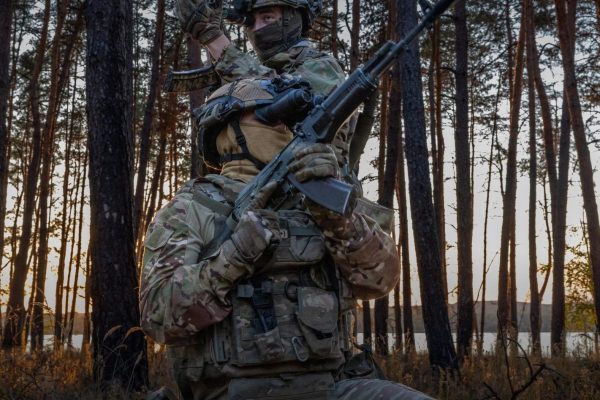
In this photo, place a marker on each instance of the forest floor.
(67, 375)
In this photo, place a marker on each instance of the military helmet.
(242, 10)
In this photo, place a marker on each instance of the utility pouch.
(319, 386)
(380, 214)
(318, 319)
(363, 365)
(269, 345)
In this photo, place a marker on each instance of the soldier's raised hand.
(200, 18)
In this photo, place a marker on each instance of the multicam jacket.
(220, 323)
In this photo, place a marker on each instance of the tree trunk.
(6, 13)
(65, 227)
(486, 220)
(15, 312)
(355, 36)
(438, 169)
(435, 314)
(37, 336)
(534, 310)
(386, 196)
(334, 29)
(408, 327)
(464, 200)
(565, 10)
(78, 266)
(512, 288)
(562, 189)
(87, 326)
(119, 349)
(508, 211)
(148, 118)
(159, 170)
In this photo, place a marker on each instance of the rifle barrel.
(432, 14)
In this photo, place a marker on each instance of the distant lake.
(579, 344)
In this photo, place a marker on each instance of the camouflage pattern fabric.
(182, 295)
(351, 389)
(201, 20)
(315, 161)
(375, 389)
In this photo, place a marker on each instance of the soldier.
(268, 314)
(278, 31)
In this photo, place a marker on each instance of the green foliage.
(580, 316)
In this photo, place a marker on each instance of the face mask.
(277, 36)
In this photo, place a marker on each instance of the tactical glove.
(255, 235)
(318, 161)
(315, 161)
(202, 20)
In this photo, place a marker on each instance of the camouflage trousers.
(348, 389)
(371, 389)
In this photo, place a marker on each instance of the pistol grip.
(330, 193)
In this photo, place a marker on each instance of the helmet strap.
(241, 141)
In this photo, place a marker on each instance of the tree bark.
(119, 348)
(334, 29)
(565, 14)
(87, 326)
(355, 36)
(486, 220)
(464, 201)
(78, 266)
(148, 118)
(425, 230)
(65, 227)
(386, 196)
(438, 161)
(6, 14)
(15, 314)
(508, 211)
(534, 310)
(408, 327)
(37, 336)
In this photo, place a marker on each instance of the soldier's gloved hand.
(201, 19)
(319, 161)
(315, 161)
(256, 234)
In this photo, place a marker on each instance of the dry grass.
(68, 375)
(502, 378)
(65, 375)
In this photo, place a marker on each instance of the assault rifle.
(321, 125)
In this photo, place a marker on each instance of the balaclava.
(277, 36)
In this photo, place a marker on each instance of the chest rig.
(294, 317)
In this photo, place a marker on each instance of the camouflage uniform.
(208, 309)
